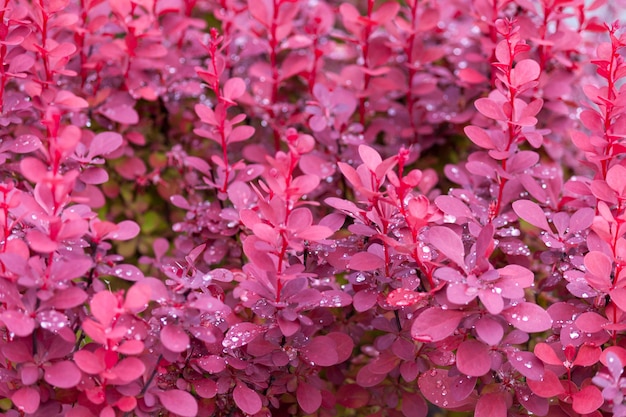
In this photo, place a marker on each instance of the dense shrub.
(290, 207)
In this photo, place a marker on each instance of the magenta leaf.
(479, 137)
(472, 358)
(129, 369)
(352, 396)
(587, 400)
(234, 88)
(435, 324)
(491, 404)
(528, 317)
(246, 399)
(365, 261)
(89, 362)
(525, 71)
(103, 307)
(174, 338)
(18, 322)
(26, 399)
(449, 243)
(309, 397)
(241, 334)
(443, 390)
(104, 143)
(532, 213)
(322, 351)
(548, 386)
(64, 374)
(179, 402)
(490, 109)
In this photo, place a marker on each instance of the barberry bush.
(312, 207)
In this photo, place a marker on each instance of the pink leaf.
(241, 334)
(18, 322)
(344, 345)
(370, 157)
(240, 133)
(104, 143)
(489, 330)
(489, 108)
(64, 374)
(352, 396)
(413, 405)
(401, 297)
(137, 297)
(179, 402)
(591, 322)
(547, 355)
(364, 300)
(435, 324)
(103, 307)
(479, 137)
(532, 213)
(309, 397)
(492, 404)
(449, 243)
(89, 362)
(68, 298)
(472, 358)
(246, 399)
(129, 369)
(527, 364)
(365, 261)
(470, 75)
(525, 71)
(234, 88)
(126, 230)
(587, 400)
(174, 338)
(322, 351)
(443, 390)
(26, 399)
(528, 317)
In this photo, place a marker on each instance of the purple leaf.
(246, 399)
(179, 402)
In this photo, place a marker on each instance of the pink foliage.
(378, 208)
